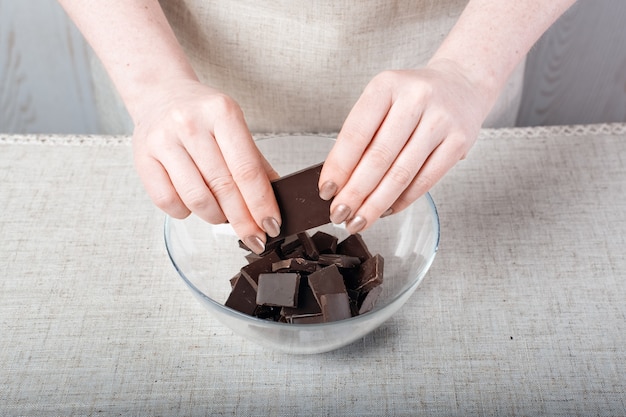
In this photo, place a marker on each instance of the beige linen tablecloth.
(522, 313)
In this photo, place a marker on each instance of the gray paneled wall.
(575, 74)
(577, 71)
(45, 84)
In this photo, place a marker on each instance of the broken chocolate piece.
(325, 242)
(242, 297)
(234, 279)
(370, 274)
(301, 207)
(278, 289)
(309, 245)
(342, 261)
(307, 319)
(335, 306)
(252, 270)
(326, 281)
(369, 301)
(307, 304)
(295, 265)
(290, 244)
(354, 245)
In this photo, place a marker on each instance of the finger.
(388, 143)
(443, 158)
(269, 169)
(159, 187)
(190, 185)
(355, 136)
(250, 173)
(400, 175)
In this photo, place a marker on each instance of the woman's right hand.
(195, 154)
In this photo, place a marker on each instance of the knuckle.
(381, 156)
(401, 176)
(221, 186)
(197, 199)
(223, 106)
(248, 171)
(422, 183)
(354, 195)
(185, 121)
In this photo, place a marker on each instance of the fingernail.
(387, 212)
(271, 226)
(328, 190)
(340, 214)
(356, 224)
(255, 244)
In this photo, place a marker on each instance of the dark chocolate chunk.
(335, 306)
(290, 244)
(325, 242)
(301, 207)
(252, 270)
(354, 245)
(267, 312)
(369, 300)
(307, 304)
(326, 281)
(307, 319)
(370, 274)
(234, 279)
(242, 297)
(295, 265)
(278, 289)
(309, 245)
(251, 257)
(342, 261)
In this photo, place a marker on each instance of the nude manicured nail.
(328, 190)
(356, 224)
(271, 226)
(255, 244)
(387, 212)
(340, 214)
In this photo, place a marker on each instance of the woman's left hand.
(405, 132)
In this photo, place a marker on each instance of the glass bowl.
(206, 257)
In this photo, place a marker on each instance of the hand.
(405, 132)
(194, 153)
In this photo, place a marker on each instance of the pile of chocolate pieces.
(307, 278)
(303, 278)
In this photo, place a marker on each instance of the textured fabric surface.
(523, 312)
(301, 65)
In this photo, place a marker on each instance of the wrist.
(484, 84)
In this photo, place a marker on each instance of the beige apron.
(300, 65)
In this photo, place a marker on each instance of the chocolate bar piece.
(326, 281)
(354, 245)
(325, 242)
(296, 264)
(307, 319)
(342, 261)
(369, 300)
(301, 207)
(278, 289)
(252, 270)
(370, 274)
(310, 249)
(335, 306)
(242, 297)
